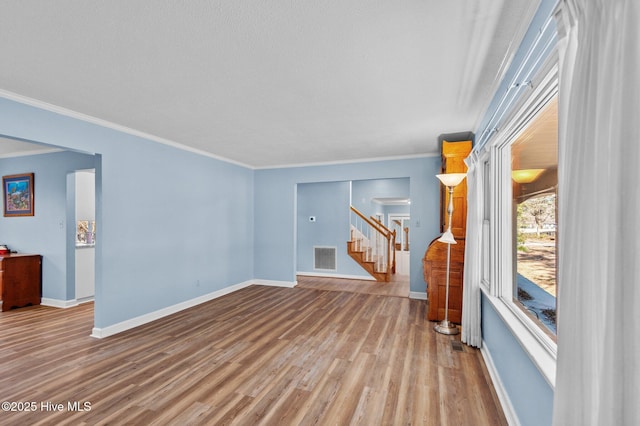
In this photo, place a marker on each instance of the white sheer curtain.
(471, 332)
(598, 366)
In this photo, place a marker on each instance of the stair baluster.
(371, 244)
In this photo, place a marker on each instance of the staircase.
(372, 245)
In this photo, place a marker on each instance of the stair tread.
(368, 265)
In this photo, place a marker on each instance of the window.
(534, 175)
(521, 193)
(519, 144)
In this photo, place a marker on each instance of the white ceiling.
(267, 83)
(13, 148)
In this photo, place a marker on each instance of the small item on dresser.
(4, 249)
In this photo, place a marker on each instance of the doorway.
(400, 223)
(85, 235)
(323, 219)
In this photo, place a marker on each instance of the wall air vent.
(324, 258)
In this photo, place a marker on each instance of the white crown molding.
(104, 123)
(360, 160)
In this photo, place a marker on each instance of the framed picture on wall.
(18, 195)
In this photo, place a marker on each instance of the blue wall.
(45, 232)
(364, 190)
(172, 225)
(329, 204)
(530, 394)
(392, 209)
(275, 210)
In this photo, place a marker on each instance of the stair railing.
(391, 243)
(375, 240)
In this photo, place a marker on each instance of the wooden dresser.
(435, 259)
(20, 280)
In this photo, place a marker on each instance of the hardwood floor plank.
(287, 409)
(271, 398)
(352, 385)
(313, 409)
(260, 355)
(399, 285)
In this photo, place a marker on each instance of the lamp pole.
(450, 180)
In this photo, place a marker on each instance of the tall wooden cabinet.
(453, 155)
(20, 280)
(435, 259)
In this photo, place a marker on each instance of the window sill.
(541, 350)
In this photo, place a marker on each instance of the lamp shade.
(447, 238)
(526, 175)
(451, 179)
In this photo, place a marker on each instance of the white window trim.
(485, 282)
(499, 292)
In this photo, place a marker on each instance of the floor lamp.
(450, 180)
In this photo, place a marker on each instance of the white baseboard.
(505, 402)
(417, 295)
(57, 303)
(85, 300)
(272, 283)
(169, 310)
(342, 276)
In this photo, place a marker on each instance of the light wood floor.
(261, 355)
(399, 285)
